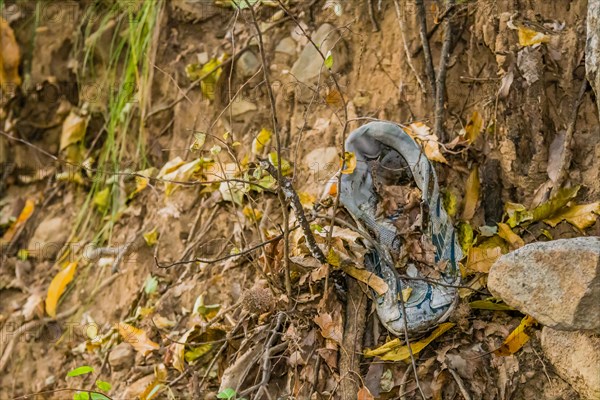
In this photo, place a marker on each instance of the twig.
(421, 15)
(34, 395)
(440, 90)
(372, 16)
(433, 30)
(352, 342)
(460, 383)
(274, 121)
(567, 153)
(406, 50)
(291, 195)
(266, 364)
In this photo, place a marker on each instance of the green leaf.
(562, 197)
(228, 393)
(104, 386)
(81, 396)
(99, 396)
(329, 60)
(197, 352)
(86, 369)
(150, 285)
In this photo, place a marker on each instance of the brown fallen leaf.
(471, 194)
(10, 56)
(137, 338)
(57, 287)
(73, 130)
(348, 163)
(529, 37)
(429, 142)
(481, 258)
(179, 351)
(329, 328)
(364, 394)
(474, 127)
(517, 338)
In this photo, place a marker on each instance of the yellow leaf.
(10, 57)
(209, 74)
(556, 203)
(372, 280)
(73, 130)
(137, 338)
(306, 199)
(157, 384)
(481, 258)
(26, 212)
(517, 338)
(57, 287)
(517, 214)
(286, 167)
(406, 294)
(474, 126)
(465, 236)
(151, 237)
(489, 305)
(394, 350)
(102, 199)
(511, 238)
(333, 258)
(261, 140)
(142, 179)
(581, 216)
(450, 203)
(529, 37)
(471, 194)
(252, 214)
(348, 163)
(179, 350)
(182, 173)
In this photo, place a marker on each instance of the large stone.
(592, 48)
(247, 64)
(576, 358)
(556, 282)
(310, 63)
(121, 356)
(48, 238)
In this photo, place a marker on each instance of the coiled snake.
(430, 301)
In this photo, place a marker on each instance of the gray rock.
(247, 64)
(576, 358)
(286, 46)
(121, 357)
(592, 48)
(48, 238)
(556, 282)
(308, 66)
(239, 107)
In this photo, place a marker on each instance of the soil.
(512, 154)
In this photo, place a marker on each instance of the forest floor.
(141, 238)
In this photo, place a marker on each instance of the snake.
(431, 301)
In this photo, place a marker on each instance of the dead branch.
(371, 9)
(291, 195)
(406, 50)
(440, 90)
(422, 16)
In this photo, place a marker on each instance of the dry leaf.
(261, 140)
(57, 287)
(73, 130)
(364, 394)
(372, 280)
(529, 37)
(471, 194)
(157, 384)
(481, 258)
(137, 338)
(429, 142)
(517, 338)
(474, 127)
(10, 56)
(329, 328)
(334, 98)
(511, 238)
(26, 212)
(348, 163)
(179, 351)
(394, 350)
(581, 216)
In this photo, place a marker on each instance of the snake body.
(430, 302)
